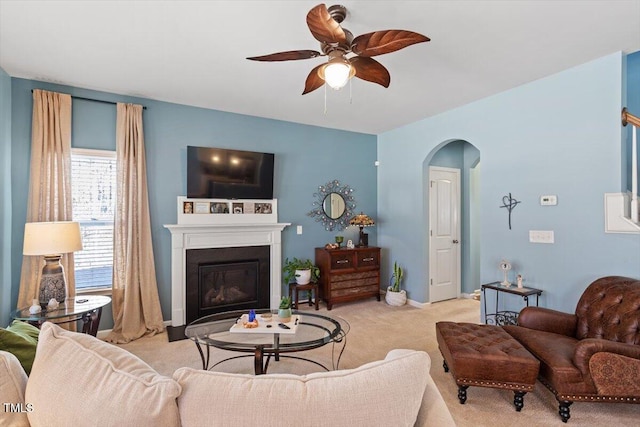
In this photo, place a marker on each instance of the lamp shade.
(362, 220)
(51, 238)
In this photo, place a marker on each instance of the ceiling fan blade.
(314, 81)
(290, 55)
(324, 28)
(387, 41)
(370, 70)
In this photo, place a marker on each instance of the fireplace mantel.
(203, 236)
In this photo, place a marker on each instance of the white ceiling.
(193, 52)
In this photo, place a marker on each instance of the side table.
(295, 288)
(87, 308)
(506, 317)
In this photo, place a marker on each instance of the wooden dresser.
(348, 274)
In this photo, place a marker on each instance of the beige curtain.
(49, 183)
(136, 305)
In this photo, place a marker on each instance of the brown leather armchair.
(592, 355)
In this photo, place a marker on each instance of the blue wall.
(558, 135)
(5, 198)
(306, 157)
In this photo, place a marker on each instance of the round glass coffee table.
(225, 331)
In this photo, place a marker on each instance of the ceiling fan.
(337, 42)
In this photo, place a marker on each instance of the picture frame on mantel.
(201, 207)
(219, 208)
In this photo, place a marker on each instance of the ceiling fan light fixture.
(337, 72)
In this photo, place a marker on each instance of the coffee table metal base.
(261, 364)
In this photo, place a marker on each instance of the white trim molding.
(617, 214)
(204, 236)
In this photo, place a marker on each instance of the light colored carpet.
(377, 328)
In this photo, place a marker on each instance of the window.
(93, 191)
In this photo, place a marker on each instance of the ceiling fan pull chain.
(350, 93)
(325, 99)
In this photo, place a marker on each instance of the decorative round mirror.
(334, 205)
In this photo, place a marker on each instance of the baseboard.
(410, 302)
(417, 304)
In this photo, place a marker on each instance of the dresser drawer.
(354, 283)
(366, 259)
(346, 277)
(341, 261)
(372, 289)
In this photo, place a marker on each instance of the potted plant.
(284, 310)
(302, 271)
(396, 296)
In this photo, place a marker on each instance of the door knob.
(455, 241)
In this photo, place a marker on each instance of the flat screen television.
(219, 173)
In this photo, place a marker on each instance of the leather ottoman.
(486, 356)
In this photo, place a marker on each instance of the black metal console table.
(506, 317)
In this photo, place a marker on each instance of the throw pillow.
(383, 393)
(78, 379)
(13, 381)
(20, 339)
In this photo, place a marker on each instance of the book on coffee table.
(264, 327)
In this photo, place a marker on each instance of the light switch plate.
(541, 236)
(299, 229)
(550, 200)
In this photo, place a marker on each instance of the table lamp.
(51, 240)
(361, 220)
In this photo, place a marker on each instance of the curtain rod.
(95, 100)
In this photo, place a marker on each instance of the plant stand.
(295, 288)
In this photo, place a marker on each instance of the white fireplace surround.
(202, 226)
(205, 236)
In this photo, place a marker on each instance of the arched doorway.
(453, 254)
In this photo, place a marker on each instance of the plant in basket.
(396, 296)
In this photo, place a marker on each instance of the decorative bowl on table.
(265, 317)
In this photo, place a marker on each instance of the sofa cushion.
(13, 381)
(77, 379)
(382, 393)
(20, 339)
(433, 409)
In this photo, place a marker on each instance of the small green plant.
(285, 302)
(397, 277)
(290, 267)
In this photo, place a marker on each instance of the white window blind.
(93, 188)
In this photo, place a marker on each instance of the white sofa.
(79, 380)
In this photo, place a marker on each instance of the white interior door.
(444, 233)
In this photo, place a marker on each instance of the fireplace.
(241, 236)
(224, 279)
